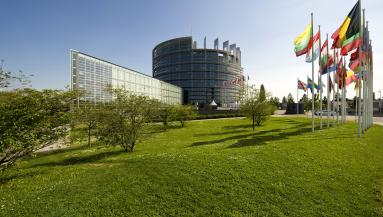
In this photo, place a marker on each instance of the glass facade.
(203, 74)
(93, 75)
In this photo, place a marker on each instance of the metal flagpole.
(297, 97)
(337, 93)
(320, 79)
(360, 77)
(344, 91)
(312, 73)
(328, 86)
(333, 93)
(362, 66)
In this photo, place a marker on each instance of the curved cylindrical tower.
(204, 74)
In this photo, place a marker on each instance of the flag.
(326, 59)
(309, 59)
(311, 85)
(330, 85)
(302, 85)
(350, 44)
(350, 77)
(354, 65)
(349, 28)
(301, 43)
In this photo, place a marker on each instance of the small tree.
(256, 109)
(166, 114)
(262, 93)
(88, 114)
(275, 101)
(125, 118)
(184, 113)
(290, 98)
(30, 119)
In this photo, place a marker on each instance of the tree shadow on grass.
(6, 178)
(234, 137)
(220, 133)
(80, 160)
(262, 140)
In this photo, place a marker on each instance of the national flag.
(311, 85)
(354, 65)
(309, 59)
(330, 85)
(350, 77)
(326, 59)
(302, 42)
(350, 44)
(349, 28)
(302, 85)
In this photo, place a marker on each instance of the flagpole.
(344, 91)
(328, 86)
(320, 78)
(333, 92)
(297, 97)
(360, 76)
(337, 95)
(361, 65)
(312, 73)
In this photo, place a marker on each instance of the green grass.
(208, 168)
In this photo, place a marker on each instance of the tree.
(7, 77)
(30, 119)
(184, 113)
(275, 101)
(88, 114)
(290, 98)
(262, 93)
(284, 100)
(167, 113)
(256, 109)
(125, 118)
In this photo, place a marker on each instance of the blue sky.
(36, 35)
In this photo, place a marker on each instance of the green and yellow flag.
(303, 41)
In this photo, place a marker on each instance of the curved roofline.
(173, 39)
(201, 49)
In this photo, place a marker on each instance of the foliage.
(167, 113)
(7, 77)
(88, 114)
(284, 100)
(262, 93)
(290, 98)
(184, 113)
(257, 109)
(275, 101)
(125, 117)
(30, 119)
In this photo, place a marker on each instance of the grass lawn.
(209, 168)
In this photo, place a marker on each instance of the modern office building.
(93, 75)
(204, 74)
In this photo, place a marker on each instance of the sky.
(36, 36)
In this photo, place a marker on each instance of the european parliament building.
(205, 75)
(92, 75)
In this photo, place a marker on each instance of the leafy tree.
(184, 113)
(30, 119)
(88, 114)
(290, 98)
(275, 101)
(262, 93)
(125, 118)
(7, 77)
(284, 100)
(256, 109)
(167, 113)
